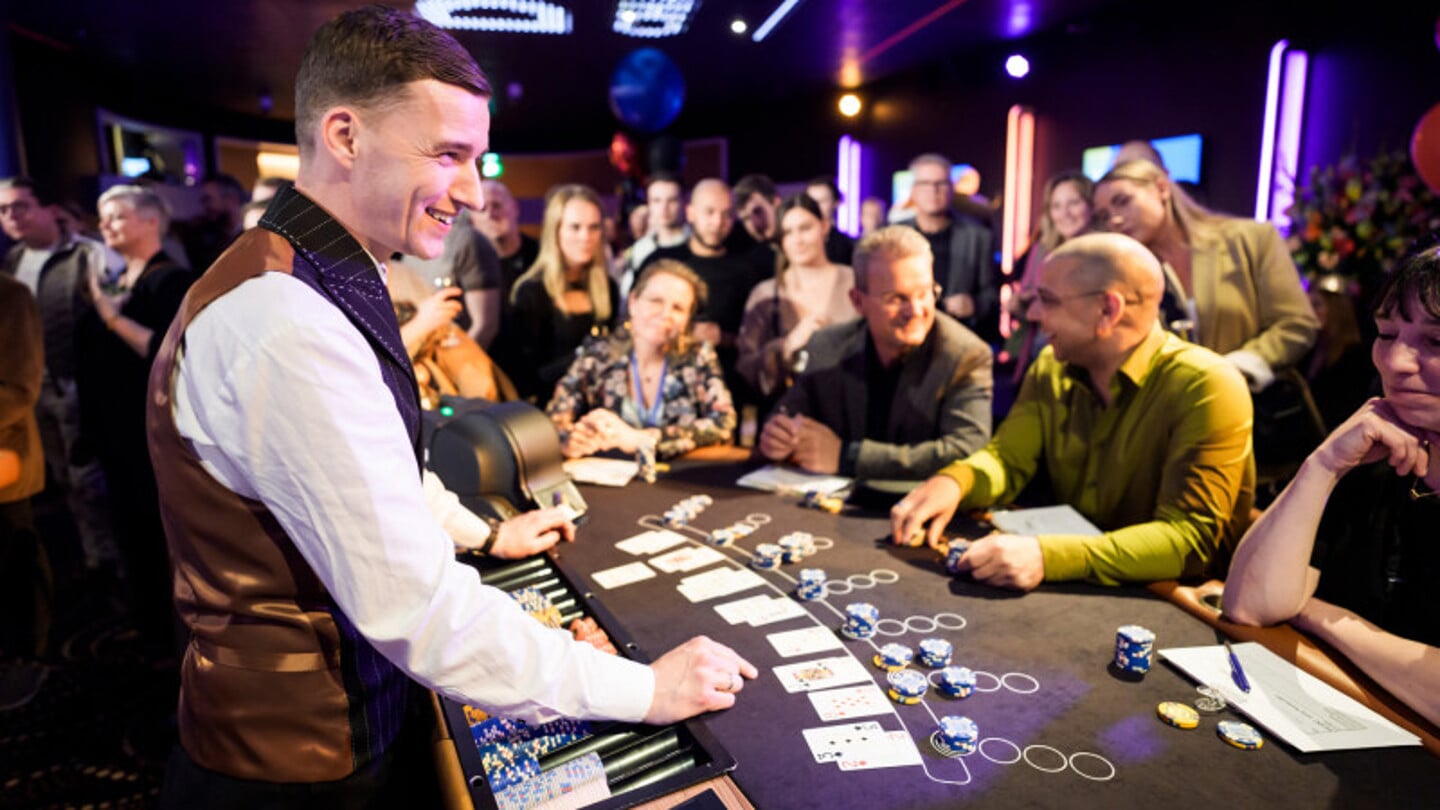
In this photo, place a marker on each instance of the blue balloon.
(647, 90)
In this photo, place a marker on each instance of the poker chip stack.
(812, 584)
(507, 765)
(686, 510)
(894, 657)
(953, 553)
(1134, 647)
(957, 736)
(860, 619)
(534, 602)
(645, 461)
(935, 652)
(767, 555)
(797, 546)
(907, 686)
(728, 535)
(957, 682)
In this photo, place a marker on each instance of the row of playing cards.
(760, 610)
(859, 746)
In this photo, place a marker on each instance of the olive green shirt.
(1166, 470)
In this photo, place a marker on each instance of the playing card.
(651, 542)
(821, 674)
(830, 743)
(892, 749)
(718, 582)
(622, 575)
(738, 611)
(775, 610)
(686, 559)
(804, 641)
(849, 702)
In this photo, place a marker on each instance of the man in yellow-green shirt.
(1144, 434)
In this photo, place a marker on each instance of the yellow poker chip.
(1178, 715)
(903, 700)
(1240, 735)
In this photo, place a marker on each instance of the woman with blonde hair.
(648, 383)
(1236, 289)
(808, 292)
(565, 296)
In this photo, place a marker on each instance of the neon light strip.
(1267, 135)
(905, 33)
(1287, 147)
(852, 197)
(1019, 177)
(773, 20)
(842, 179)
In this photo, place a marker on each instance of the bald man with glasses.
(1144, 434)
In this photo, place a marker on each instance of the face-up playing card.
(823, 673)
(717, 582)
(686, 559)
(893, 749)
(830, 743)
(775, 610)
(849, 702)
(651, 542)
(804, 641)
(622, 575)
(738, 611)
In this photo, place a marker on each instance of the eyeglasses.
(894, 301)
(18, 208)
(931, 184)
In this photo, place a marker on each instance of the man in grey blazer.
(899, 392)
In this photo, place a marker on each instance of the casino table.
(1059, 726)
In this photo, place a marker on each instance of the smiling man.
(313, 557)
(1144, 434)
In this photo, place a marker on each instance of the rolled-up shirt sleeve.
(284, 402)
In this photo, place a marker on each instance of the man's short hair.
(367, 56)
(229, 185)
(825, 181)
(752, 184)
(41, 196)
(893, 242)
(666, 177)
(141, 199)
(931, 159)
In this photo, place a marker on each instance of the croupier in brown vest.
(313, 557)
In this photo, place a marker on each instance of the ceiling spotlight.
(849, 105)
(738, 26)
(1017, 66)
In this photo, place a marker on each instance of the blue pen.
(1237, 674)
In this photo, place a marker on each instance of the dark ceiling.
(240, 56)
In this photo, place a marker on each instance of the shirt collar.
(1137, 366)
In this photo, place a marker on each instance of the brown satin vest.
(263, 693)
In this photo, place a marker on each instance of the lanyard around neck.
(648, 417)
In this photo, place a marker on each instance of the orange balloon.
(1425, 148)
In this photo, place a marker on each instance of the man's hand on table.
(817, 449)
(934, 503)
(779, 436)
(1006, 561)
(698, 676)
(532, 533)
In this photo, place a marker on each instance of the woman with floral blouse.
(649, 382)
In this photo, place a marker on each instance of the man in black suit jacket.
(962, 246)
(899, 392)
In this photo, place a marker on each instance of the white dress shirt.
(281, 398)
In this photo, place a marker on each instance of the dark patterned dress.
(696, 409)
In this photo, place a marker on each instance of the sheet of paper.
(849, 702)
(823, 673)
(606, 472)
(1288, 702)
(1062, 519)
(622, 575)
(651, 542)
(893, 749)
(773, 477)
(687, 559)
(718, 582)
(804, 641)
